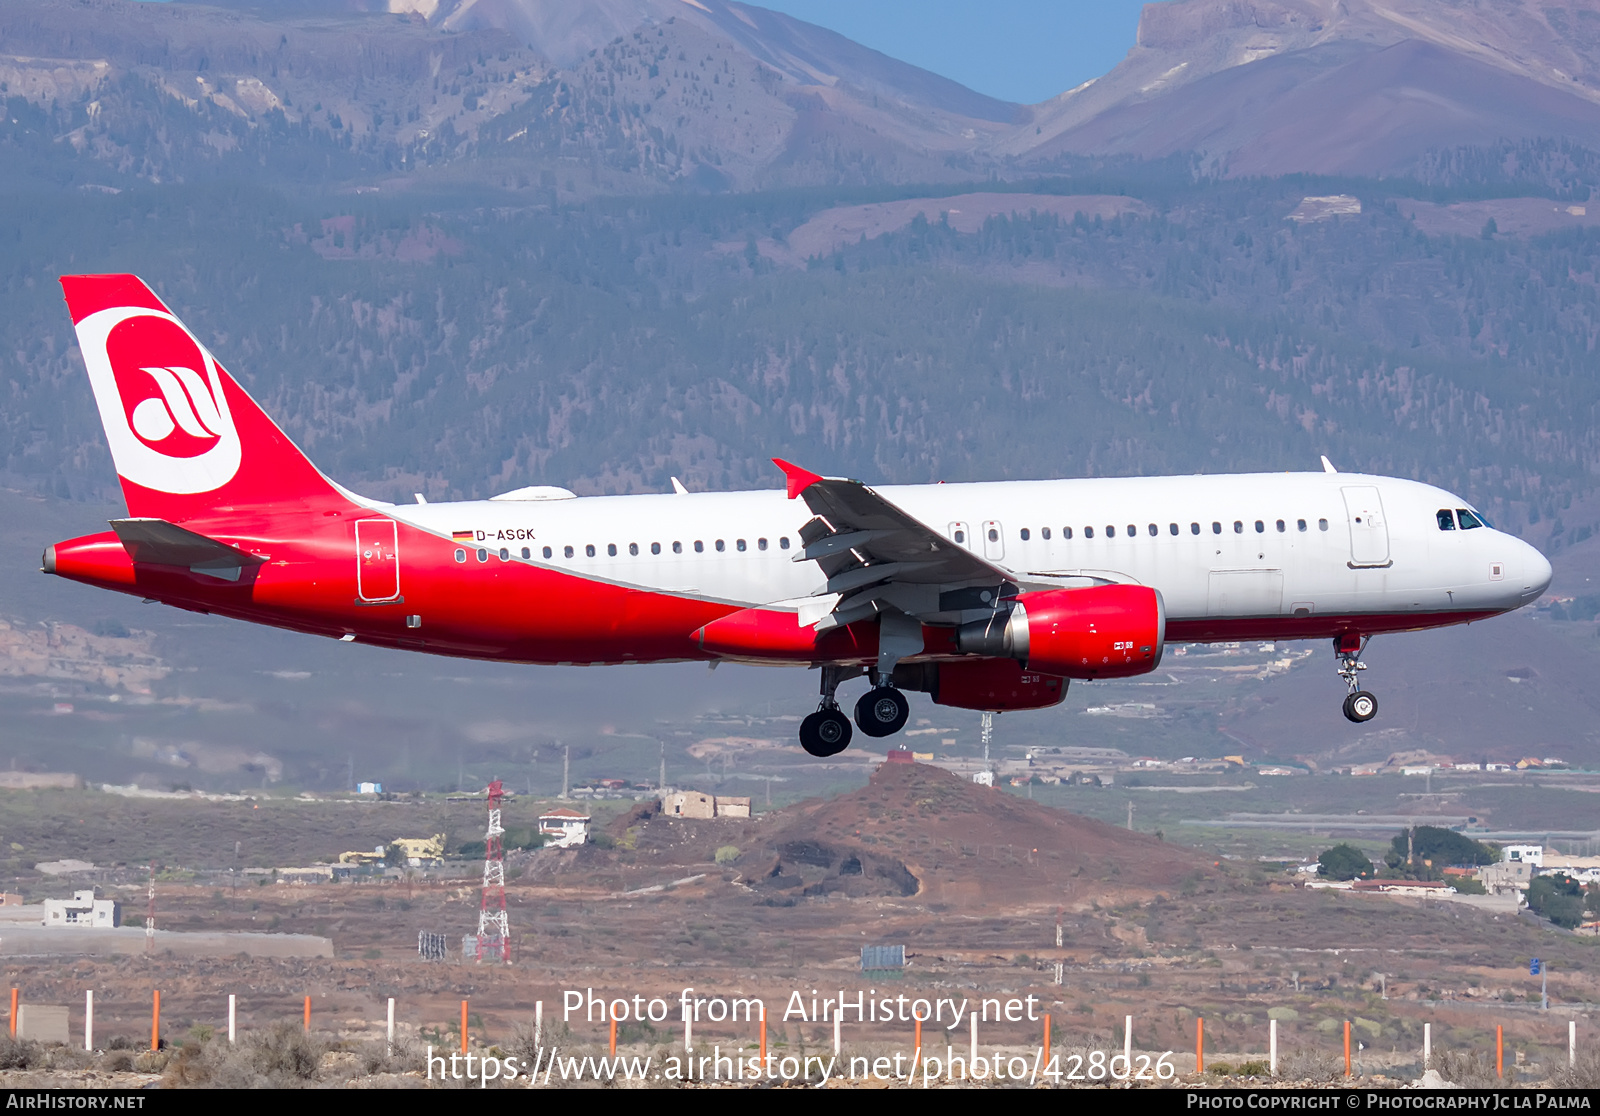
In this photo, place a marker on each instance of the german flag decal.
(463, 536)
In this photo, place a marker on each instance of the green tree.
(1344, 862)
(1557, 897)
(1423, 851)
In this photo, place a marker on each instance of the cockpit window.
(1468, 519)
(1447, 520)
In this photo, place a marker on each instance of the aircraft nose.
(1536, 573)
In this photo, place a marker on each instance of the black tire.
(826, 732)
(882, 711)
(1361, 707)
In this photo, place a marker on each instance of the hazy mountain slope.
(1339, 86)
(323, 92)
(565, 32)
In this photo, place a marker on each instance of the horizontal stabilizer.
(157, 542)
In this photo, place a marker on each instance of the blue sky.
(1017, 50)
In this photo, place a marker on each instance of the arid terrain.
(971, 880)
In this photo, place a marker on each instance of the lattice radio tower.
(494, 929)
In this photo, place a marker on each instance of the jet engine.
(1103, 631)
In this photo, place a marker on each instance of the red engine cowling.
(1105, 631)
(993, 685)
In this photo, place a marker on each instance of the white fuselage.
(1229, 546)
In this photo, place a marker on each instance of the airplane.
(986, 596)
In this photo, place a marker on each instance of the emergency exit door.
(1369, 533)
(377, 560)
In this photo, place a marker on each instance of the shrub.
(283, 1055)
(727, 854)
(1344, 862)
(18, 1053)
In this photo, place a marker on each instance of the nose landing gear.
(1360, 705)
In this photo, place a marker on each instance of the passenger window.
(677, 547)
(611, 550)
(1154, 530)
(1281, 527)
(633, 550)
(1111, 532)
(566, 551)
(1088, 532)
(461, 555)
(1132, 530)
(739, 546)
(588, 550)
(505, 554)
(1261, 527)
(1447, 519)
(1322, 524)
(994, 534)
(1194, 528)
(1216, 528)
(548, 553)
(1044, 533)
(1066, 532)
(526, 553)
(1172, 528)
(761, 544)
(1468, 520)
(655, 548)
(961, 536)
(721, 546)
(1025, 535)
(699, 547)
(783, 542)
(1300, 523)
(483, 555)
(1238, 527)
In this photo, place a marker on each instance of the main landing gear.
(882, 711)
(1360, 706)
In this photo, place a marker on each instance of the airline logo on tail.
(161, 401)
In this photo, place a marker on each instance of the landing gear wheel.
(882, 711)
(825, 733)
(1361, 707)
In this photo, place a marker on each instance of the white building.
(369, 788)
(564, 829)
(83, 909)
(1525, 854)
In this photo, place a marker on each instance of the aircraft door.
(1369, 531)
(377, 560)
(994, 540)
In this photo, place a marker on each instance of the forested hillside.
(465, 345)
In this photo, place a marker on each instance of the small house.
(83, 909)
(564, 829)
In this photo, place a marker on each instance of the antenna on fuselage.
(1327, 466)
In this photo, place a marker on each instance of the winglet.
(798, 479)
(1327, 466)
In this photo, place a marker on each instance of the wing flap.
(878, 555)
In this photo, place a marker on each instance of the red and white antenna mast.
(494, 928)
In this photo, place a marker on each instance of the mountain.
(1263, 87)
(607, 96)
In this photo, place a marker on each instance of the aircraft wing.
(166, 544)
(875, 554)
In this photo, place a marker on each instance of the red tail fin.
(186, 439)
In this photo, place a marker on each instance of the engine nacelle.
(1104, 631)
(991, 685)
